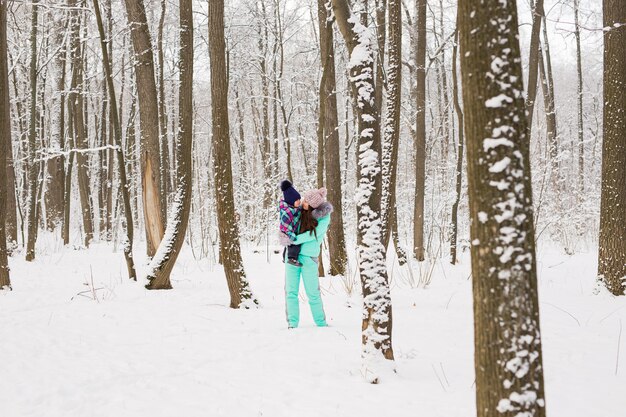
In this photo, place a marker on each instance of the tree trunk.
(55, 180)
(167, 253)
(612, 255)
(377, 316)
(392, 120)
(507, 337)
(164, 139)
(381, 39)
(153, 207)
(240, 294)
(128, 243)
(330, 131)
(5, 143)
(579, 101)
(550, 111)
(76, 101)
(459, 153)
(266, 150)
(34, 166)
(533, 62)
(420, 130)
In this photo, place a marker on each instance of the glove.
(283, 239)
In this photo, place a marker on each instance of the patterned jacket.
(289, 219)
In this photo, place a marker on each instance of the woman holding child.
(304, 222)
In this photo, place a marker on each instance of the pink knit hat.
(315, 198)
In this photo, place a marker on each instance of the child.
(289, 211)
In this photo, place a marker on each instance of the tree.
(78, 138)
(34, 167)
(377, 314)
(167, 253)
(128, 243)
(240, 294)
(153, 207)
(391, 129)
(55, 178)
(419, 134)
(459, 153)
(533, 60)
(5, 142)
(612, 242)
(507, 337)
(329, 126)
(579, 101)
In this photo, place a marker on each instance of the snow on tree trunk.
(169, 248)
(612, 256)
(240, 293)
(377, 348)
(507, 337)
(391, 129)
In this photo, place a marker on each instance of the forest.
(447, 178)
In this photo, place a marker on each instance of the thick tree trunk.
(612, 242)
(391, 130)
(459, 154)
(128, 243)
(167, 253)
(240, 294)
(329, 126)
(5, 143)
(420, 130)
(377, 316)
(507, 337)
(153, 207)
(34, 166)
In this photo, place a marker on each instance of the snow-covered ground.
(78, 339)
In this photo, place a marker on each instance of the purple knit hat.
(315, 198)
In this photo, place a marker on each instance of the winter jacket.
(311, 241)
(289, 219)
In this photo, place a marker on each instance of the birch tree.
(507, 336)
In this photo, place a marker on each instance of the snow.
(134, 352)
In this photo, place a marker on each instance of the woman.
(313, 227)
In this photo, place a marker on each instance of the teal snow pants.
(308, 272)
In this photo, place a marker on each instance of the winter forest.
(312, 207)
